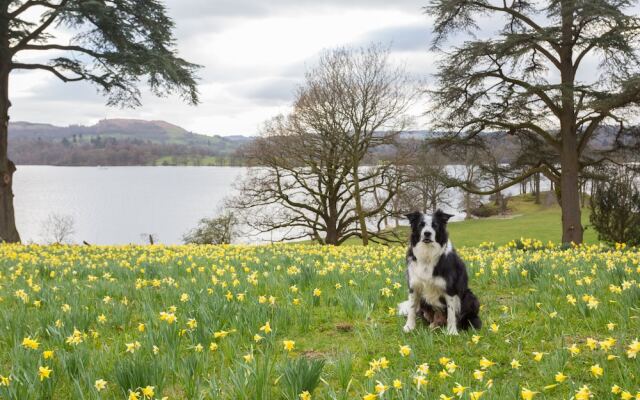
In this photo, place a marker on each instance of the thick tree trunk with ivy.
(569, 157)
(8, 231)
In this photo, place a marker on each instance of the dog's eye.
(422, 224)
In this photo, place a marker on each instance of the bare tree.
(58, 228)
(371, 101)
(426, 183)
(303, 184)
(150, 238)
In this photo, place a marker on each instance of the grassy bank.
(525, 220)
(256, 322)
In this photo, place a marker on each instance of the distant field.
(199, 161)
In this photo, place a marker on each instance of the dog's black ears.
(442, 216)
(414, 216)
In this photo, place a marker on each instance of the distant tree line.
(115, 152)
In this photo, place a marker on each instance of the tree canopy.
(114, 45)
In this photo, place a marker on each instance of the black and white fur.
(437, 276)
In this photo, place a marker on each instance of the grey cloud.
(235, 97)
(401, 38)
(274, 91)
(57, 91)
(253, 8)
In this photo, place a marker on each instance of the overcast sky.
(253, 52)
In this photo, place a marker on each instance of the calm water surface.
(116, 205)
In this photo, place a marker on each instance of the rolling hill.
(120, 142)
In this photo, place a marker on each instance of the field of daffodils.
(311, 322)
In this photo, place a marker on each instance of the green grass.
(526, 220)
(336, 304)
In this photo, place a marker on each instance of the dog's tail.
(404, 307)
(472, 321)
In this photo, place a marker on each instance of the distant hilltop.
(120, 142)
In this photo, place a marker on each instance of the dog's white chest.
(431, 288)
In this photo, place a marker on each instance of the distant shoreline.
(123, 166)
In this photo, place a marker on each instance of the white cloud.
(254, 54)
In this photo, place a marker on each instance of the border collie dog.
(436, 276)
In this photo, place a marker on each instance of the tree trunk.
(467, 205)
(570, 195)
(583, 193)
(498, 195)
(536, 187)
(359, 209)
(331, 236)
(569, 157)
(8, 231)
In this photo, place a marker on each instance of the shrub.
(615, 206)
(216, 230)
(485, 210)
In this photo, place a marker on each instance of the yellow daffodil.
(584, 393)
(44, 372)
(288, 345)
(596, 370)
(560, 377)
(405, 350)
(485, 363)
(305, 395)
(100, 385)
(29, 343)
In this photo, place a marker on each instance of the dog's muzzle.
(427, 238)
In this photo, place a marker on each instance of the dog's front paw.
(408, 327)
(452, 330)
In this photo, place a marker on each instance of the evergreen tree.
(116, 43)
(554, 74)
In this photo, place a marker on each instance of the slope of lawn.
(303, 322)
(524, 220)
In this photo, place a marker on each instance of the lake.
(120, 205)
(116, 205)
